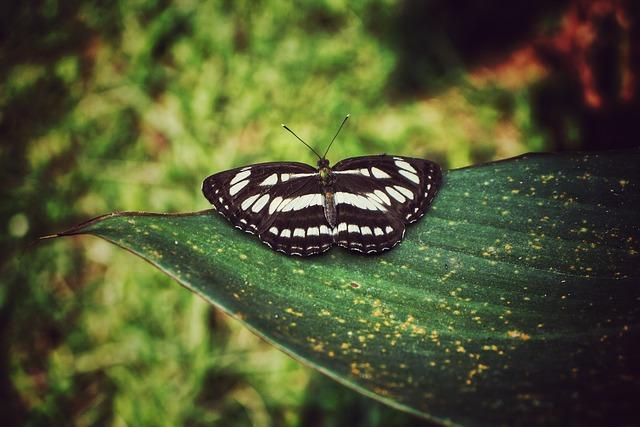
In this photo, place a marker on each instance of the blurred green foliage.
(109, 106)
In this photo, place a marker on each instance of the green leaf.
(516, 296)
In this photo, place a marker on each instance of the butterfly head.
(323, 163)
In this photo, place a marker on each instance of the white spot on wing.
(342, 227)
(406, 166)
(358, 201)
(238, 186)
(240, 176)
(283, 206)
(301, 175)
(382, 196)
(410, 176)
(270, 180)
(298, 232)
(301, 202)
(262, 201)
(363, 171)
(313, 231)
(324, 229)
(353, 228)
(274, 230)
(365, 230)
(285, 233)
(393, 193)
(379, 173)
(345, 198)
(405, 191)
(284, 177)
(388, 229)
(377, 201)
(274, 204)
(249, 201)
(378, 231)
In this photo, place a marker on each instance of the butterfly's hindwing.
(300, 228)
(367, 231)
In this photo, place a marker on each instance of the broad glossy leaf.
(516, 299)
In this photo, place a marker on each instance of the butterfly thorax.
(326, 177)
(324, 171)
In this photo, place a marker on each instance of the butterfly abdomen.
(330, 208)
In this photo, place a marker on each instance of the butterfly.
(362, 204)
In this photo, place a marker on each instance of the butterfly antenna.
(300, 139)
(334, 137)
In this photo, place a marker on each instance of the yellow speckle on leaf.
(518, 334)
(546, 178)
(475, 371)
(293, 312)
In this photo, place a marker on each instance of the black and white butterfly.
(362, 203)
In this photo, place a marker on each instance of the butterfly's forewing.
(281, 202)
(409, 184)
(243, 195)
(377, 195)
